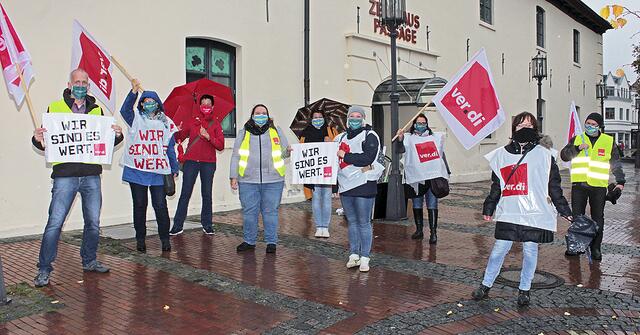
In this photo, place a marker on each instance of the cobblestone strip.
(577, 324)
(309, 318)
(565, 297)
(26, 300)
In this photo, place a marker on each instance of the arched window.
(216, 61)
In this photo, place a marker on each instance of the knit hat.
(357, 109)
(596, 117)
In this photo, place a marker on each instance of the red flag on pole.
(13, 52)
(88, 55)
(469, 103)
(575, 127)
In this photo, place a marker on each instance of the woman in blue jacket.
(149, 155)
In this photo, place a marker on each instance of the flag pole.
(123, 70)
(26, 95)
(411, 120)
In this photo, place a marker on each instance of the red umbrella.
(184, 101)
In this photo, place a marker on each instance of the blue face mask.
(355, 123)
(261, 119)
(79, 92)
(591, 130)
(149, 107)
(420, 127)
(317, 122)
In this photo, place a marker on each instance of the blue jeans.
(499, 252)
(190, 172)
(159, 203)
(260, 198)
(321, 205)
(62, 195)
(358, 213)
(432, 201)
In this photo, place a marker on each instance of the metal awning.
(412, 91)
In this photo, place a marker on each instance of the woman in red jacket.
(205, 137)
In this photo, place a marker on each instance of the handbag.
(169, 184)
(439, 187)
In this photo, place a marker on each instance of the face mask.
(591, 130)
(149, 107)
(317, 122)
(79, 92)
(420, 127)
(260, 120)
(205, 109)
(355, 123)
(525, 135)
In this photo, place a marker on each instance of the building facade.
(258, 48)
(620, 113)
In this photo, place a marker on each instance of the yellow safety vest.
(593, 168)
(276, 152)
(61, 106)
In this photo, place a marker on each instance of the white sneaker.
(364, 264)
(319, 232)
(354, 260)
(325, 232)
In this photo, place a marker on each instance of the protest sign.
(78, 138)
(314, 163)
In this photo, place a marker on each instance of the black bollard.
(3, 292)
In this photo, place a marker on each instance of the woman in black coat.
(521, 198)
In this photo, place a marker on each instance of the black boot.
(141, 246)
(166, 245)
(596, 253)
(417, 217)
(523, 298)
(433, 226)
(481, 292)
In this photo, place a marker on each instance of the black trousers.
(581, 193)
(139, 193)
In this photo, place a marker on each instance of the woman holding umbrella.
(205, 137)
(525, 190)
(144, 166)
(257, 172)
(317, 131)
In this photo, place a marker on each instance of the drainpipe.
(306, 52)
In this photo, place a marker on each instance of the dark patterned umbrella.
(334, 112)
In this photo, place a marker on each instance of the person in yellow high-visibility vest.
(257, 172)
(70, 179)
(593, 157)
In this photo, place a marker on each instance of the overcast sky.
(617, 43)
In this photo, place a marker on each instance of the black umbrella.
(334, 112)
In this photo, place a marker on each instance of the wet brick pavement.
(204, 287)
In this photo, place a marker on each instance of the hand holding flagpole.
(411, 121)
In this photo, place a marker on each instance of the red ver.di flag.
(87, 54)
(469, 103)
(13, 52)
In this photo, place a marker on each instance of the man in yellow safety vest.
(70, 179)
(593, 157)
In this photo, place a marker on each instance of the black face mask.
(525, 135)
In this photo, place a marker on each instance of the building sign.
(408, 32)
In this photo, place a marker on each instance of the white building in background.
(620, 112)
(257, 48)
